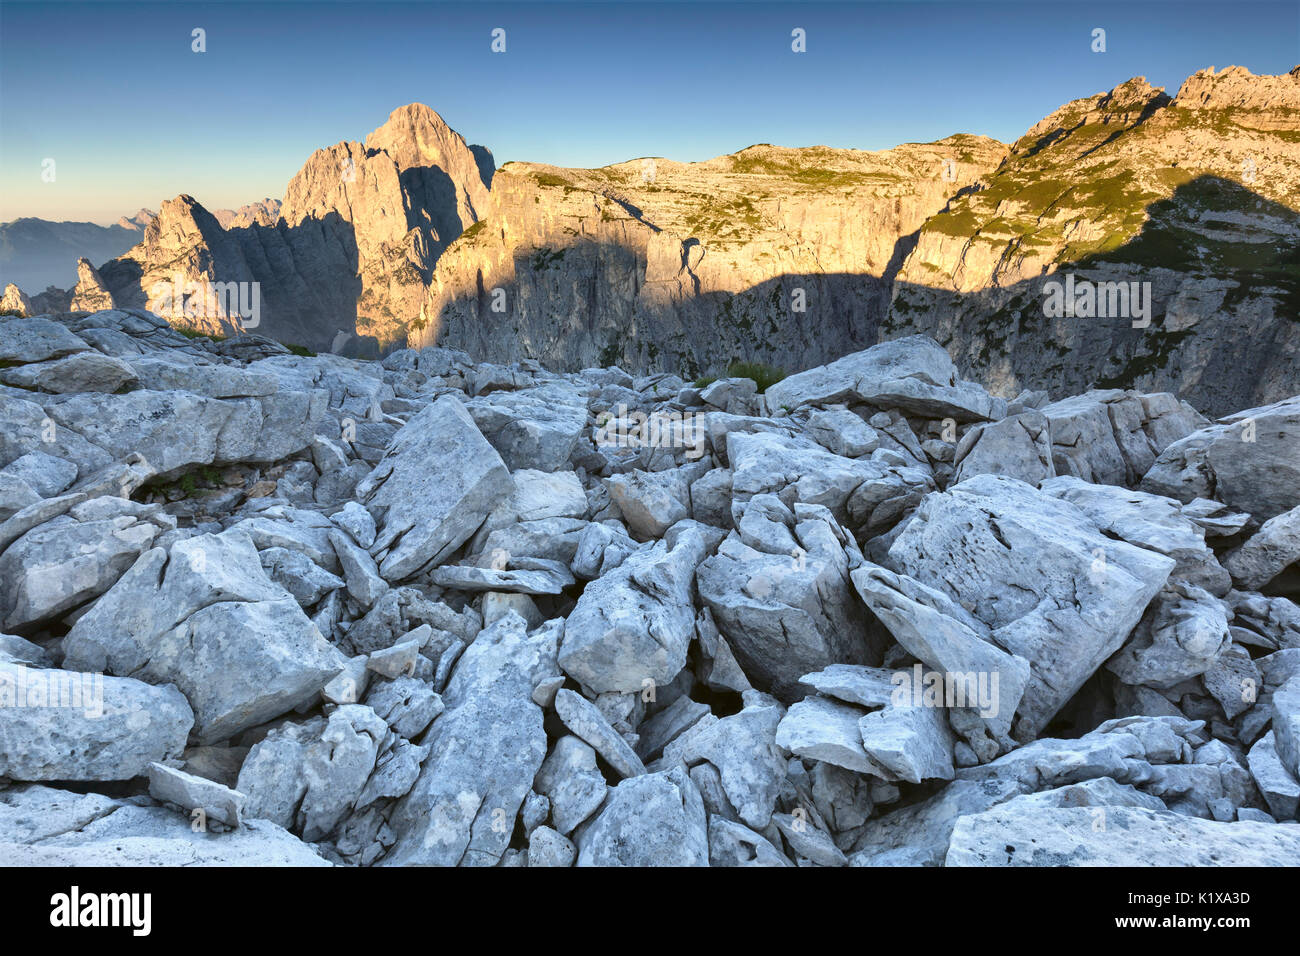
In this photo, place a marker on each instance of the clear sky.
(131, 115)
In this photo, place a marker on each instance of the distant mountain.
(1197, 196)
(773, 254)
(264, 212)
(349, 250)
(36, 253)
(796, 256)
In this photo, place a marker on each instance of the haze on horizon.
(578, 85)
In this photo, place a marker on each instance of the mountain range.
(789, 256)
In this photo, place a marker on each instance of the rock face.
(274, 609)
(348, 250)
(1126, 186)
(1163, 219)
(90, 294)
(691, 256)
(15, 301)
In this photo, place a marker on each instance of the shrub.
(761, 374)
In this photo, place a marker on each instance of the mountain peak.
(1236, 87)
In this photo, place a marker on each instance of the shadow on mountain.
(487, 165)
(306, 274)
(1218, 260)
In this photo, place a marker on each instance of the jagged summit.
(796, 255)
(137, 222)
(1236, 87)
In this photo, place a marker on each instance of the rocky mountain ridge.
(1197, 195)
(796, 256)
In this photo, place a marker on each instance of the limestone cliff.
(1196, 195)
(349, 249)
(780, 255)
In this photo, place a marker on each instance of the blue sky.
(131, 115)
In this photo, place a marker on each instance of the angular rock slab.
(1039, 574)
(635, 623)
(914, 374)
(156, 836)
(63, 725)
(434, 486)
(484, 751)
(820, 729)
(940, 632)
(588, 723)
(65, 562)
(1131, 836)
(1248, 461)
(1268, 552)
(743, 748)
(208, 619)
(653, 820)
(785, 615)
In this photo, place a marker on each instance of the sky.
(116, 96)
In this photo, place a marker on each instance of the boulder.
(1069, 836)
(436, 483)
(484, 751)
(1247, 461)
(69, 725)
(913, 373)
(207, 618)
(1039, 574)
(1267, 553)
(1019, 446)
(651, 820)
(98, 831)
(635, 623)
(788, 613)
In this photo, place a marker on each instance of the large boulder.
(1014, 835)
(41, 826)
(872, 493)
(790, 609)
(1247, 461)
(65, 725)
(434, 486)
(532, 428)
(1112, 437)
(1147, 521)
(635, 623)
(36, 339)
(484, 751)
(1041, 576)
(655, 819)
(207, 618)
(74, 557)
(914, 374)
(1019, 446)
(1268, 552)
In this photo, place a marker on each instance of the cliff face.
(1185, 204)
(1195, 196)
(781, 255)
(349, 249)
